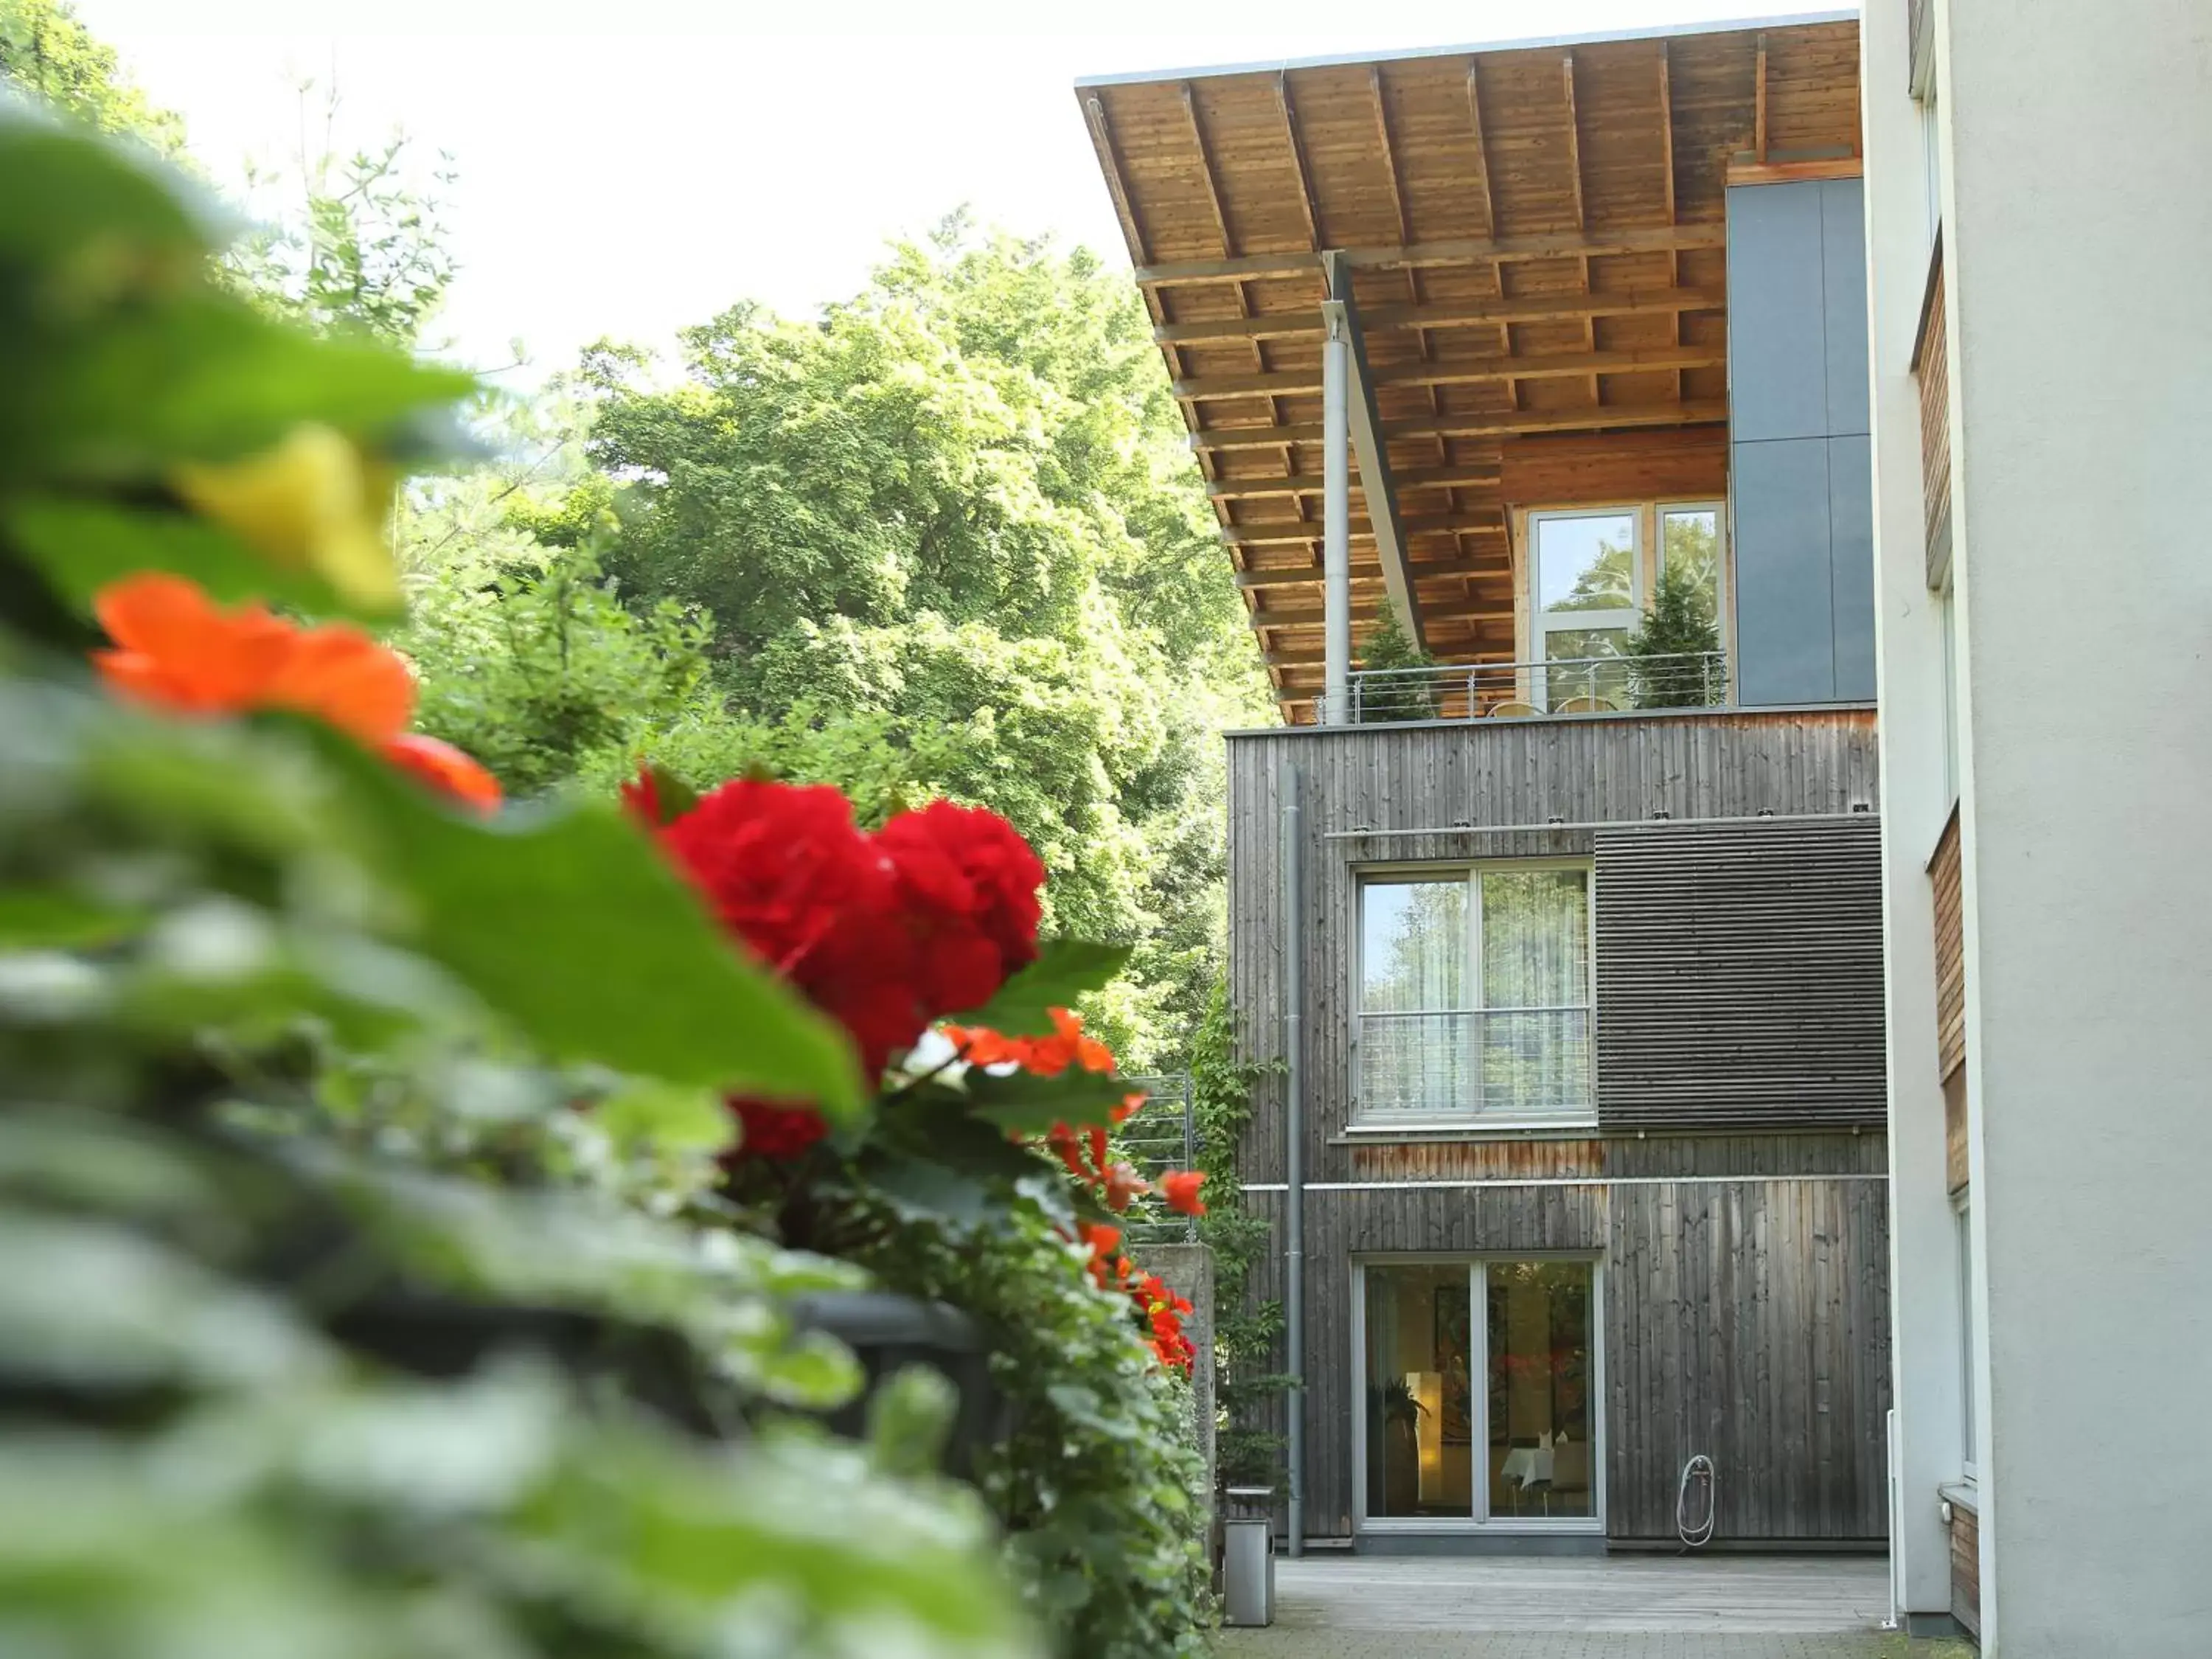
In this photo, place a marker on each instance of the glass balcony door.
(1480, 1394)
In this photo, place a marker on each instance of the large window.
(1475, 994)
(1480, 1402)
(1588, 598)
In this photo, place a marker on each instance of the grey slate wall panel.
(1843, 267)
(1778, 356)
(1784, 599)
(1850, 563)
(1798, 383)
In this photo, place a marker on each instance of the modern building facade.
(1565, 954)
(2042, 400)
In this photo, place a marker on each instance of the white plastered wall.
(2078, 215)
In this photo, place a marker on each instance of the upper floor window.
(1592, 579)
(1475, 994)
(1590, 598)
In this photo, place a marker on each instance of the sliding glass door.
(1480, 1392)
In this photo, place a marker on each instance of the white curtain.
(1535, 991)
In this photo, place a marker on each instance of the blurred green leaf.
(651, 1116)
(203, 376)
(36, 918)
(1064, 970)
(909, 1415)
(1028, 1103)
(62, 194)
(103, 1308)
(80, 546)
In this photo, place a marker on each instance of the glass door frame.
(1479, 1521)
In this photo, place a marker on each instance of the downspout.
(1335, 518)
(1294, 1151)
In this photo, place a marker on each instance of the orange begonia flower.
(177, 649)
(1045, 1056)
(1179, 1188)
(446, 769)
(1122, 1185)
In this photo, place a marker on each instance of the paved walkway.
(1607, 1607)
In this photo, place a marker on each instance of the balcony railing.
(1508, 1064)
(1504, 690)
(1161, 1134)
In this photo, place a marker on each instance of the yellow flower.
(313, 500)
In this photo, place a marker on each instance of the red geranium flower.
(776, 1132)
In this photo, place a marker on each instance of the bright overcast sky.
(629, 166)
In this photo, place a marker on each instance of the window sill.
(1446, 1129)
(1962, 1494)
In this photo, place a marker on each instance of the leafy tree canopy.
(46, 52)
(943, 540)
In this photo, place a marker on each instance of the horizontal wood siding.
(1966, 1567)
(1360, 784)
(1955, 1164)
(1950, 952)
(1932, 368)
(1739, 974)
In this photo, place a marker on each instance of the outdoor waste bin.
(1247, 1559)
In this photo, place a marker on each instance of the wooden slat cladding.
(1966, 1566)
(1950, 952)
(1739, 974)
(1745, 1316)
(1388, 780)
(1477, 1160)
(1956, 1165)
(1932, 368)
(1749, 1321)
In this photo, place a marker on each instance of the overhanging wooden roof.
(1531, 237)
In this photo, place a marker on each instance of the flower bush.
(436, 1180)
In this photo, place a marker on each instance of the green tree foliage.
(946, 541)
(347, 241)
(1674, 658)
(1407, 695)
(46, 52)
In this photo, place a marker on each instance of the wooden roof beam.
(1666, 164)
(1389, 152)
(1481, 148)
(1574, 142)
(1470, 474)
(1302, 531)
(1109, 162)
(1307, 201)
(1569, 365)
(1372, 450)
(1758, 104)
(1471, 313)
(1296, 615)
(1206, 170)
(1692, 411)
(1307, 576)
(1472, 250)
(1582, 204)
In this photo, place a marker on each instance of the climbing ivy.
(1246, 1332)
